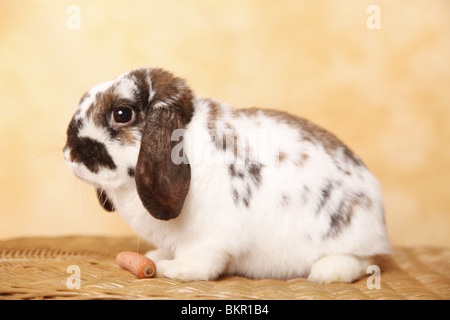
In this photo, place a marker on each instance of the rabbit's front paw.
(185, 269)
(158, 255)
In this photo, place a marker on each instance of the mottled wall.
(385, 92)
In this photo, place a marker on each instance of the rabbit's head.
(121, 134)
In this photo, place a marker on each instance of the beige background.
(385, 92)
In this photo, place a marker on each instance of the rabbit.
(219, 191)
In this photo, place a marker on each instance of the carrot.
(137, 264)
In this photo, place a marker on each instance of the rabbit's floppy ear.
(161, 184)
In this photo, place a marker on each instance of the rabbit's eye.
(123, 116)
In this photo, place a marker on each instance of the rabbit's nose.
(73, 156)
(69, 154)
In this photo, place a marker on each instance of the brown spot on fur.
(141, 77)
(232, 141)
(232, 170)
(302, 159)
(235, 196)
(340, 220)
(106, 102)
(309, 131)
(73, 129)
(214, 113)
(324, 196)
(250, 112)
(250, 175)
(234, 173)
(281, 156)
(227, 139)
(84, 97)
(93, 154)
(339, 167)
(174, 91)
(90, 110)
(223, 140)
(242, 198)
(254, 170)
(352, 157)
(126, 136)
(342, 216)
(219, 140)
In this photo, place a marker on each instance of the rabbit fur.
(222, 191)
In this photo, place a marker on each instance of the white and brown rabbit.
(220, 191)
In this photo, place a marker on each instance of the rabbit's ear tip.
(163, 194)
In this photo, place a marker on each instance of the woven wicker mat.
(36, 268)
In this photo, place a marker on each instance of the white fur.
(269, 238)
(338, 268)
